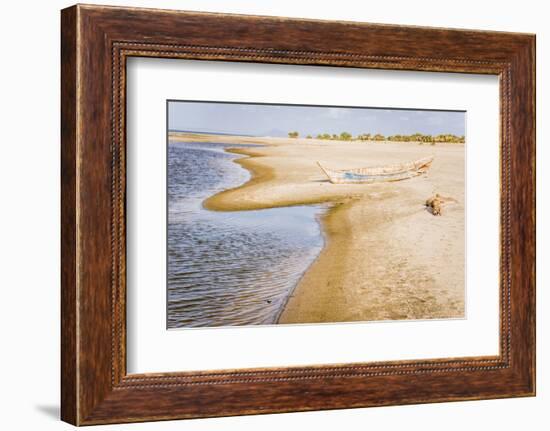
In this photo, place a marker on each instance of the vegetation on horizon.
(415, 137)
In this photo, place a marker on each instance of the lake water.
(229, 268)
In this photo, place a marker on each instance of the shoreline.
(291, 292)
(260, 175)
(375, 263)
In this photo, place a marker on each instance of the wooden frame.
(96, 41)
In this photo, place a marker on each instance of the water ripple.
(229, 268)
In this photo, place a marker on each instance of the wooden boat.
(396, 172)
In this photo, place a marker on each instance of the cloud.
(337, 112)
(435, 120)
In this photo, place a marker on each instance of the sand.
(385, 256)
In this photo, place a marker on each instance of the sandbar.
(385, 256)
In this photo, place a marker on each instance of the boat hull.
(378, 174)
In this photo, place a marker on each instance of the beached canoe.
(396, 172)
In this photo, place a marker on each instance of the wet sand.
(385, 256)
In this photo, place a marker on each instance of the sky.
(278, 120)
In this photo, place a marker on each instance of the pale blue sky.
(278, 120)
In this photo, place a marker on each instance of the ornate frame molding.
(96, 41)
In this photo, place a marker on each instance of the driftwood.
(436, 203)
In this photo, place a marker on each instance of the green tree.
(293, 134)
(366, 137)
(421, 138)
(345, 136)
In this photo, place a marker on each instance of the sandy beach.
(385, 256)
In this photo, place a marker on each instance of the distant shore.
(236, 139)
(385, 257)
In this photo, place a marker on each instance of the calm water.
(229, 268)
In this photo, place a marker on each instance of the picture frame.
(96, 42)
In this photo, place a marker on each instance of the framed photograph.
(264, 214)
